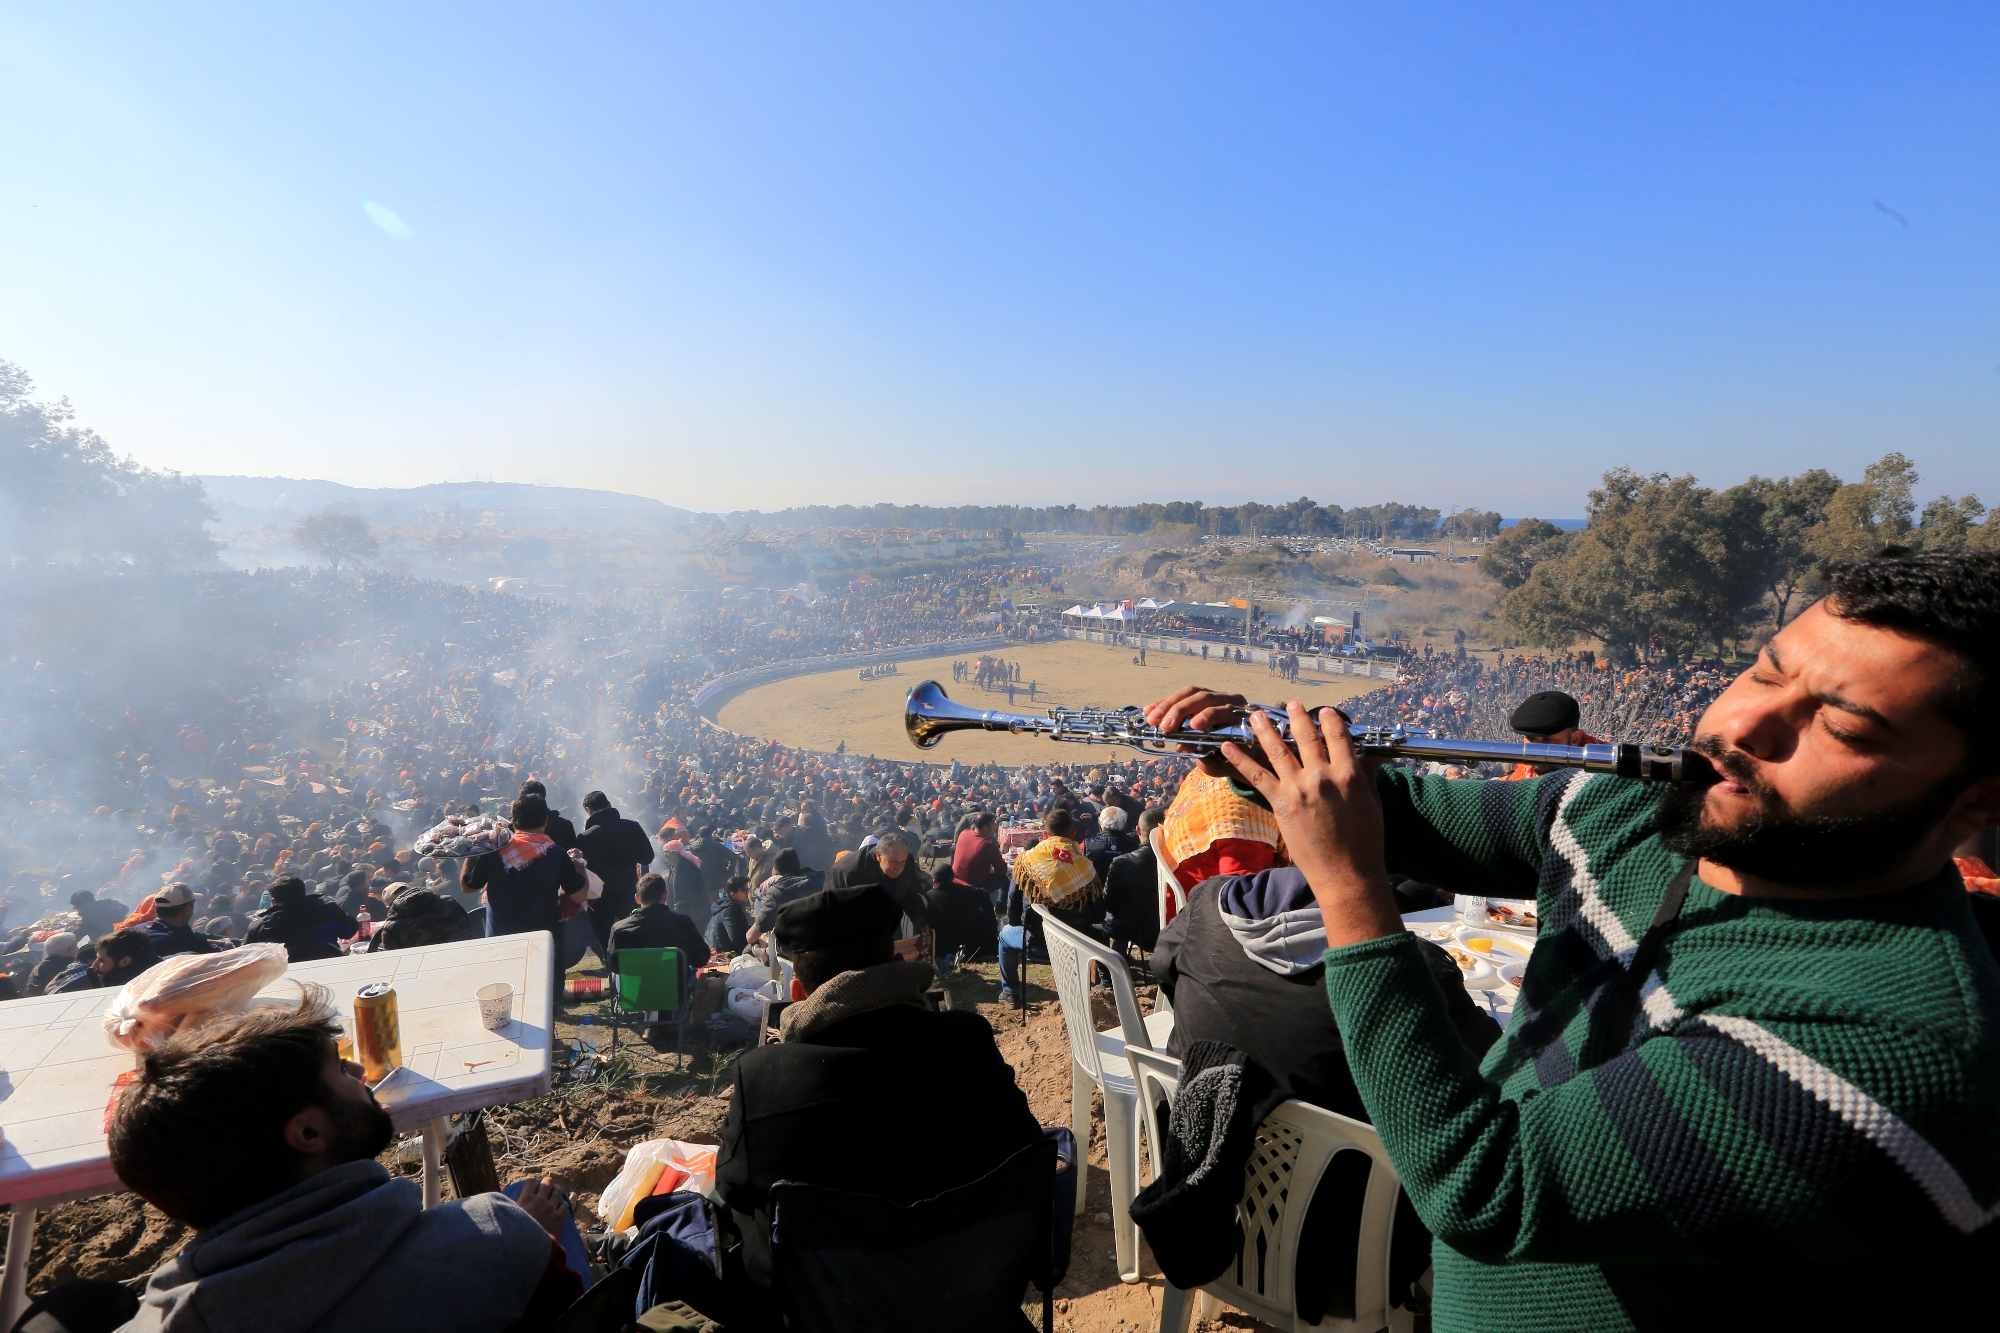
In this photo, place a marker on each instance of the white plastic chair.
(1098, 1060)
(1170, 884)
(1293, 1148)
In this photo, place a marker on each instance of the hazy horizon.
(780, 255)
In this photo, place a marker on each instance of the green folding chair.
(648, 981)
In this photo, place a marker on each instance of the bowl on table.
(1512, 914)
(1494, 946)
(1510, 974)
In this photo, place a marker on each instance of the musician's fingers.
(1174, 711)
(1311, 746)
(1250, 770)
(1220, 715)
(1282, 761)
(1159, 708)
(1338, 745)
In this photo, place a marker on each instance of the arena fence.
(1158, 643)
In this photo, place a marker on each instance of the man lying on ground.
(253, 1130)
(1750, 1078)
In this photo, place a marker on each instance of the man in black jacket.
(729, 924)
(305, 923)
(889, 864)
(617, 850)
(862, 1060)
(96, 917)
(561, 832)
(1111, 841)
(787, 885)
(1241, 964)
(654, 925)
(58, 952)
(169, 930)
(1132, 890)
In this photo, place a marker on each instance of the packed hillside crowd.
(1469, 699)
(403, 699)
(379, 703)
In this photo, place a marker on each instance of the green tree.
(1867, 515)
(1791, 510)
(1894, 478)
(70, 499)
(1472, 524)
(1514, 553)
(335, 537)
(1663, 560)
(1948, 524)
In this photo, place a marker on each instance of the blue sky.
(754, 255)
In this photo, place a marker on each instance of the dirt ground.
(821, 711)
(579, 1134)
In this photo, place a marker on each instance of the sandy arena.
(822, 711)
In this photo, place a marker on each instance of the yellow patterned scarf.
(1056, 873)
(1205, 811)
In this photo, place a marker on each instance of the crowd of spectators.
(1656, 703)
(321, 757)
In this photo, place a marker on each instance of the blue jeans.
(1016, 943)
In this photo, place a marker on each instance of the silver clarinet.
(930, 714)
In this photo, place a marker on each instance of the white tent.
(1120, 613)
(1146, 605)
(1076, 610)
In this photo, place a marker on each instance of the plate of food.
(1512, 913)
(1510, 973)
(1477, 972)
(1492, 945)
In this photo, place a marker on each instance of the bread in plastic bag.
(644, 1165)
(189, 988)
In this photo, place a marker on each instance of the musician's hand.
(1331, 816)
(1194, 708)
(1197, 709)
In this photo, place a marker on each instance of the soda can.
(378, 1038)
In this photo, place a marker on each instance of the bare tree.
(336, 537)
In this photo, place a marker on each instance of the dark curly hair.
(1951, 599)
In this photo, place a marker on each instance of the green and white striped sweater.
(1804, 1106)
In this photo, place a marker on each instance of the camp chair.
(648, 981)
(858, 1263)
(1314, 1180)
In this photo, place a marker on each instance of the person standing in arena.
(1750, 1079)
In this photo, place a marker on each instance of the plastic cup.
(496, 1005)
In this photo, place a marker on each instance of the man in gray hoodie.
(253, 1130)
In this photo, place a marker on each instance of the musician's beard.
(1784, 847)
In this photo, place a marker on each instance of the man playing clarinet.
(1753, 1077)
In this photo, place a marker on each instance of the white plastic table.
(1498, 1001)
(57, 1069)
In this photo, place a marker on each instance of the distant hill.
(242, 500)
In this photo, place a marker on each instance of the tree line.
(1669, 566)
(1302, 517)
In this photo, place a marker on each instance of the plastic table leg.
(14, 1283)
(434, 1131)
